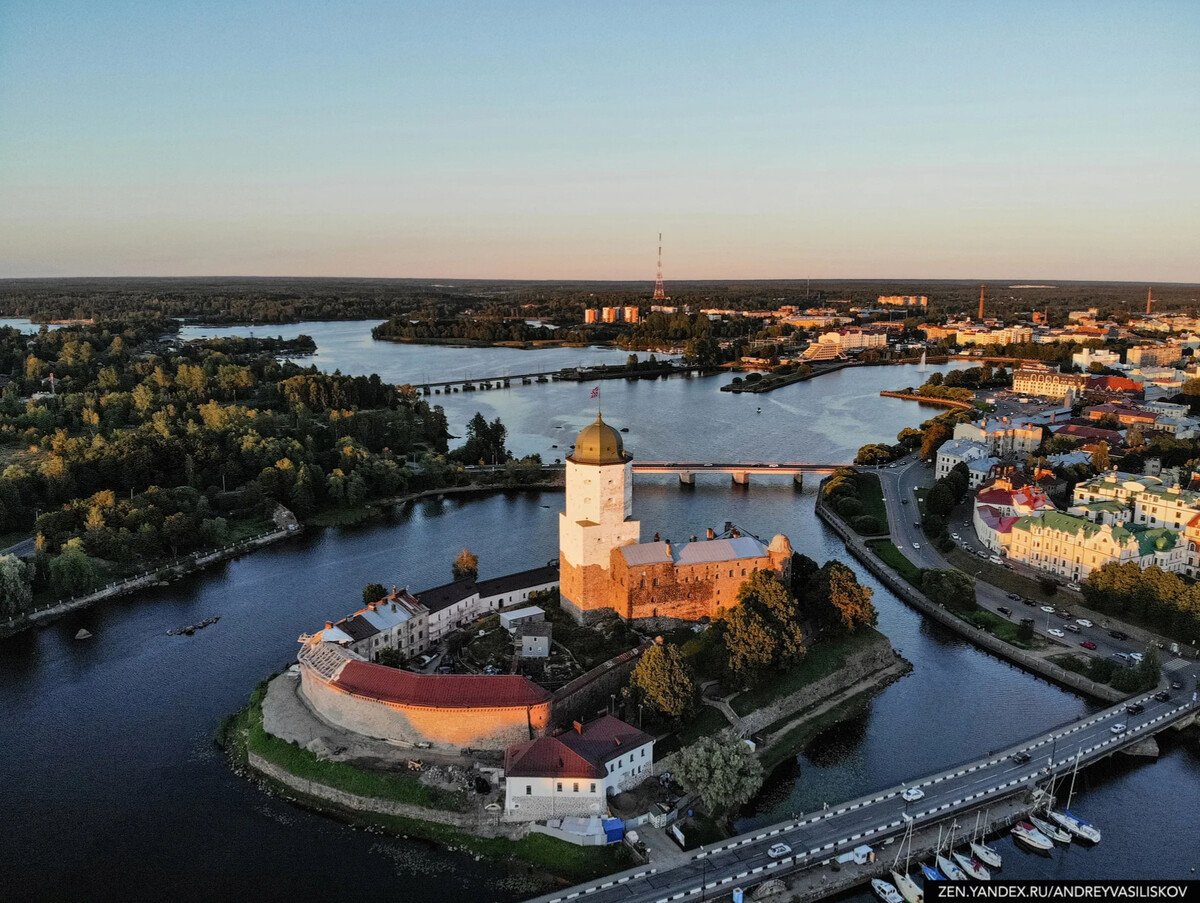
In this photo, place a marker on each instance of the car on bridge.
(1135, 708)
(1021, 757)
(1162, 696)
(912, 794)
(778, 850)
(1118, 728)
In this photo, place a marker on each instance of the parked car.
(1175, 685)
(1074, 628)
(1088, 644)
(1014, 596)
(981, 554)
(1083, 622)
(1063, 613)
(1074, 586)
(1054, 631)
(1118, 635)
(916, 545)
(1007, 612)
(954, 536)
(1029, 602)
(1048, 609)
(778, 850)
(1136, 657)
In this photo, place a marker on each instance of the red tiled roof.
(548, 757)
(441, 691)
(605, 738)
(1087, 432)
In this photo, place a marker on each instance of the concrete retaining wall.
(898, 585)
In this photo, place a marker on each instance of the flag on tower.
(596, 392)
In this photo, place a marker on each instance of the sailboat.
(886, 891)
(907, 887)
(931, 874)
(944, 863)
(973, 867)
(1073, 823)
(1054, 832)
(984, 853)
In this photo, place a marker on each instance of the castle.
(604, 566)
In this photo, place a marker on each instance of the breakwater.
(925, 399)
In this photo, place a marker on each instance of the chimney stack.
(578, 725)
(329, 625)
(710, 534)
(981, 301)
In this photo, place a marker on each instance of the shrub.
(866, 524)
(849, 507)
(1048, 586)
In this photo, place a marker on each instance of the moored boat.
(1031, 836)
(907, 887)
(1076, 825)
(1054, 832)
(973, 867)
(885, 891)
(947, 867)
(931, 874)
(985, 854)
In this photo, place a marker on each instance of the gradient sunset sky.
(555, 140)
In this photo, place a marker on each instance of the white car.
(1136, 656)
(779, 850)
(1083, 622)
(1118, 728)
(1074, 586)
(1054, 631)
(916, 545)
(1049, 609)
(954, 536)
(912, 794)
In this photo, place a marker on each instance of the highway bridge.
(740, 470)
(959, 791)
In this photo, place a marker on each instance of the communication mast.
(659, 294)
(981, 301)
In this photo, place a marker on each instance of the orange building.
(604, 566)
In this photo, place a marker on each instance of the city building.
(1153, 355)
(455, 605)
(575, 772)
(604, 566)
(533, 639)
(853, 338)
(1088, 356)
(398, 621)
(1001, 437)
(999, 504)
(632, 315)
(591, 315)
(1073, 547)
(611, 314)
(962, 451)
(904, 300)
(1046, 382)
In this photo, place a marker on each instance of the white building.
(457, 604)
(1088, 356)
(955, 452)
(1001, 437)
(397, 621)
(575, 772)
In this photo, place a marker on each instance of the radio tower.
(659, 294)
(981, 301)
(1149, 300)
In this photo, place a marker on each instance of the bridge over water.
(740, 470)
(881, 817)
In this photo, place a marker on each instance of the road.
(909, 474)
(745, 860)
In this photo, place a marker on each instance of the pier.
(997, 782)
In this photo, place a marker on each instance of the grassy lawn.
(894, 558)
(870, 492)
(707, 722)
(1009, 581)
(244, 734)
(1000, 627)
(822, 659)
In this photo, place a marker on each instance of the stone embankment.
(926, 399)
(176, 568)
(555, 482)
(909, 594)
(769, 383)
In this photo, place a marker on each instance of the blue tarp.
(614, 829)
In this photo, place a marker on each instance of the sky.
(555, 140)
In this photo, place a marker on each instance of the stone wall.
(478, 728)
(861, 664)
(478, 822)
(590, 692)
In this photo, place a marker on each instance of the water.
(113, 789)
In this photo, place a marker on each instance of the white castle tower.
(598, 518)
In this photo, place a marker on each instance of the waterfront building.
(576, 771)
(397, 621)
(604, 566)
(1046, 382)
(854, 338)
(632, 315)
(454, 605)
(611, 314)
(904, 300)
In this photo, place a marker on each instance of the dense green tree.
(16, 585)
(837, 598)
(373, 592)
(952, 589)
(72, 572)
(749, 643)
(721, 770)
(665, 681)
(940, 499)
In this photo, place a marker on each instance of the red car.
(1088, 644)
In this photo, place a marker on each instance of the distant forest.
(281, 300)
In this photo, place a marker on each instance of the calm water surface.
(114, 791)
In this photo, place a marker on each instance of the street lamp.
(703, 873)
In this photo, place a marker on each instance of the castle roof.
(702, 551)
(599, 443)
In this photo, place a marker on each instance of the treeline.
(484, 330)
(1158, 599)
(123, 448)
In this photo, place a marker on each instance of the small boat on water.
(947, 867)
(931, 874)
(973, 867)
(1076, 825)
(1031, 836)
(907, 887)
(886, 891)
(83, 634)
(1054, 832)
